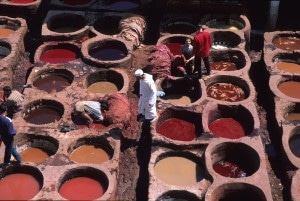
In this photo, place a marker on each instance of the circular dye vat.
(123, 5)
(289, 43)
(238, 192)
(34, 155)
(223, 26)
(51, 83)
(228, 169)
(175, 48)
(227, 128)
(177, 129)
(293, 116)
(177, 99)
(23, 1)
(4, 50)
(107, 52)
(81, 188)
(75, 2)
(103, 87)
(6, 32)
(288, 67)
(178, 195)
(180, 28)
(89, 154)
(59, 55)
(82, 124)
(294, 144)
(223, 66)
(42, 115)
(18, 186)
(108, 25)
(290, 88)
(66, 23)
(183, 172)
(226, 92)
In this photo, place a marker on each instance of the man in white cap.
(147, 101)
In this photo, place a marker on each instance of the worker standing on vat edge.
(7, 133)
(201, 46)
(148, 96)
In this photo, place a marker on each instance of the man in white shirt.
(148, 94)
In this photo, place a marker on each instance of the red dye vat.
(58, 55)
(23, 1)
(228, 169)
(227, 128)
(175, 48)
(81, 188)
(18, 186)
(177, 129)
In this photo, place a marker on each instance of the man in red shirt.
(201, 47)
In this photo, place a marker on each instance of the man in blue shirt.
(7, 133)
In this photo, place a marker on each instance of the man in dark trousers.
(201, 46)
(7, 133)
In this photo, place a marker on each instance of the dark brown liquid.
(51, 83)
(42, 115)
(287, 43)
(223, 66)
(226, 92)
(228, 169)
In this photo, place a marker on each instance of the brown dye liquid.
(288, 67)
(176, 171)
(89, 154)
(290, 88)
(4, 32)
(287, 43)
(226, 92)
(35, 155)
(42, 115)
(51, 83)
(223, 66)
(292, 116)
(228, 169)
(103, 87)
(177, 99)
(81, 188)
(294, 144)
(18, 186)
